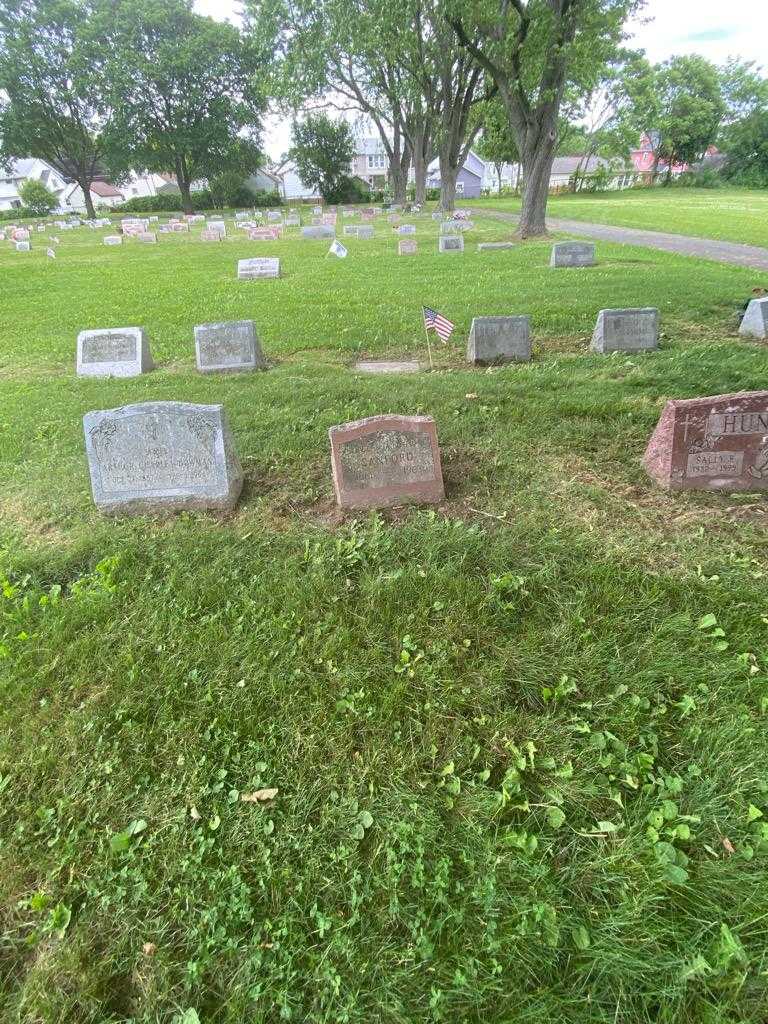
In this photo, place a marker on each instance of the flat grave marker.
(494, 246)
(160, 457)
(626, 330)
(211, 235)
(718, 443)
(386, 460)
(147, 237)
(386, 366)
(318, 231)
(365, 232)
(113, 352)
(113, 240)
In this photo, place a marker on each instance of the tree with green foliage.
(747, 152)
(51, 103)
(184, 89)
(533, 50)
(497, 144)
(323, 151)
(37, 199)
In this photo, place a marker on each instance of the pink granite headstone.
(386, 460)
(712, 444)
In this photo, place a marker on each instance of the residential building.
(371, 162)
(102, 194)
(291, 185)
(469, 183)
(510, 176)
(149, 184)
(12, 178)
(565, 167)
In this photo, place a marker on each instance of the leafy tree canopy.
(323, 151)
(37, 199)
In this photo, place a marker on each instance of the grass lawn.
(733, 215)
(519, 741)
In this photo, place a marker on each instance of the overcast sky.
(712, 28)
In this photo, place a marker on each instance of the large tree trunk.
(448, 176)
(84, 185)
(537, 172)
(499, 169)
(420, 171)
(186, 199)
(398, 174)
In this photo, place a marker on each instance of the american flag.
(434, 321)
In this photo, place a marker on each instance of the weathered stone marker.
(148, 237)
(626, 330)
(228, 347)
(217, 225)
(492, 246)
(407, 229)
(712, 444)
(115, 352)
(573, 254)
(249, 270)
(209, 235)
(450, 227)
(755, 322)
(158, 457)
(113, 240)
(365, 232)
(386, 366)
(499, 339)
(319, 231)
(451, 243)
(351, 229)
(23, 246)
(407, 247)
(386, 460)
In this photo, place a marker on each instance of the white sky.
(716, 30)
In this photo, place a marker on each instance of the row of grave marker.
(160, 457)
(234, 345)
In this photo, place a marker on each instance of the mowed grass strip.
(729, 215)
(519, 742)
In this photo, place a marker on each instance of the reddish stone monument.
(712, 444)
(386, 460)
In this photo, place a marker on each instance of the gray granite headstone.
(626, 330)
(407, 229)
(158, 457)
(351, 229)
(572, 254)
(113, 240)
(227, 347)
(292, 221)
(450, 227)
(217, 225)
(755, 322)
(113, 352)
(387, 366)
(493, 246)
(451, 243)
(499, 339)
(147, 236)
(23, 246)
(365, 232)
(318, 231)
(248, 270)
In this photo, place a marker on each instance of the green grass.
(512, 756)
(733, 215)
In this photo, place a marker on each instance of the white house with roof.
(371, 162)
(29, 169)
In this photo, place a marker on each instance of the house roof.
(105, 190)
(473, 165)
(366, 146)
(570, 164)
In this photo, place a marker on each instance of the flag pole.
(429, 346)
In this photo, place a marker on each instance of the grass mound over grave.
(518, 743)
(731, 215)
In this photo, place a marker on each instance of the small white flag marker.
(337, 249)
(51, 254)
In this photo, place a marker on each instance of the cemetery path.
(703, 248)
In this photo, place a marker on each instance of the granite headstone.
(113, 352)
(572, 254)
(626, 330)
(228, 347)
(755, 322)
(386, 460)
(499, 339)
(248, 270)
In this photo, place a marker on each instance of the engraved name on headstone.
(407, 229)
(365, 232)
(407, 247)
(319, 231)
(386, 460)
(451, 243)
(626, 330)
(499, 339)
(113, 352)
(250, 269)
(23, 247)
(158, 457)
(713, 444)
(351, 230)
(572, 254)
(755, 322)
(227, 347)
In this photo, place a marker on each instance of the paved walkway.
(704, 248)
